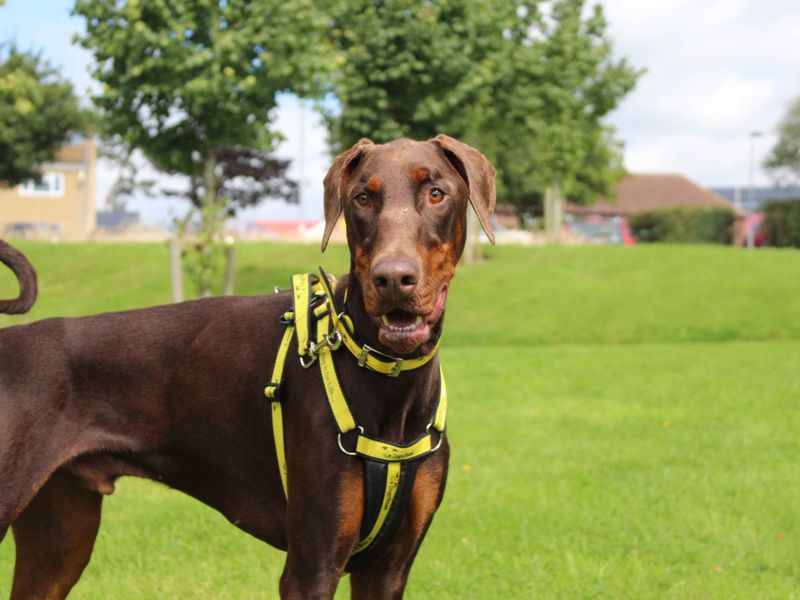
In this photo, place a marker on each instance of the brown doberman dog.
(176, 393)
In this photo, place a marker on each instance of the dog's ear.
(478, 173)
(340, 171)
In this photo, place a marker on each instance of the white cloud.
(715, 71)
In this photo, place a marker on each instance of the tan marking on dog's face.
(362, 262)
(374, 184)
(439, 265)
(420, 174)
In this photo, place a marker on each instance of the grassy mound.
(623, 420)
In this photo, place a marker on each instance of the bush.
(782, 223)
(687, 225)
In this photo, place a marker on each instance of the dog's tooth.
(418, 321)
(385, 320)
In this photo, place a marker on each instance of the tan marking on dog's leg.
(351, 503)
(424, 499)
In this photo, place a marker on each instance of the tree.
(784, 159)
(193, 83)
(527, 82)
(556, 80)
(38, 113)
(406, 68)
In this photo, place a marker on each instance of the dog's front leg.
(385, 578)
(324, 517)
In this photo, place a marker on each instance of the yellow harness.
(320, 331)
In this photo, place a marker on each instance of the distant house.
(62, 204)
(639, 193)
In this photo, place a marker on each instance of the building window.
(52, 184)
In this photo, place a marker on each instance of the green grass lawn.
(624, 424)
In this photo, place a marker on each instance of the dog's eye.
(437, 195)
(361, 199)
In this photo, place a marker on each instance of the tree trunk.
(472, 245)
(230, 268)
(553, 214)
(175, 269)
(208, 226)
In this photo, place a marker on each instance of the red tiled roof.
(642, 193)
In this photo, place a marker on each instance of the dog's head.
(405, 206)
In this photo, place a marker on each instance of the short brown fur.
(175, 393)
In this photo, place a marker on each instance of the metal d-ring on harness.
(389, 469)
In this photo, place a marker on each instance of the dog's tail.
(26, 275)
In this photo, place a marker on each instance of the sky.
(716, 70)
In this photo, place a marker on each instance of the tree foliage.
(184, 79)
(247, 176)
(685, 225)
(527, 82)
(192, 84)
(784, 159)
(38, 113)
(782, 222)
(556, 80)
(406, 68)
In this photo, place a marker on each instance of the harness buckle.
(333, 340)
(398, 366)
(362, 358)
(366, 350)
(311, 357)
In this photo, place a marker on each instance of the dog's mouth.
(405, 331)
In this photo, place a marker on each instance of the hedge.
(782, 222)
(686, 225)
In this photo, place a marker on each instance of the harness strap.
(301, 290)
(272, 391)
(390, 512)
(389, 468)
(378, 476)
(333, 391)
(375, 360)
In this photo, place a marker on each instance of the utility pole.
(751, 185)
(301, 158)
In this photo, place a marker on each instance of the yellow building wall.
(73, 211)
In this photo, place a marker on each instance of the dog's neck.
(408, 401)
(366, 331)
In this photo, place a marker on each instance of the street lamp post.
(751, 185)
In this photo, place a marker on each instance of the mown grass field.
(624, 424)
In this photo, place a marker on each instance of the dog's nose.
(395, 279)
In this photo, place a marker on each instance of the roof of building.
(640, 192)
(76, 150)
